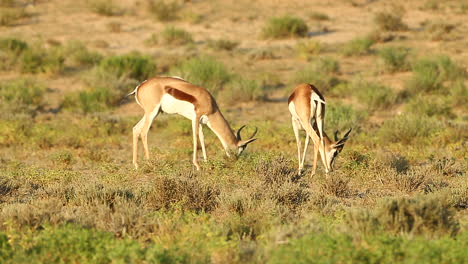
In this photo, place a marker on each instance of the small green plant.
(439, 30)
(389, 21)
(11, 16)
(430, 106)
(106, 7)
(175, 36)
(204, 71)
(22, 94)
(131, 65)
(78, 55)
(40, 60)
(394, 58)
(242, 90)
(357, 47)
(429, 74)
(319, 16)
(222, 44)
(285, 27)
(320, 73)
(308, 49)
(408, 128)
(153, 40)
(373, 95)
(62, 158)
(341, 117)
(164, 10)
(10, 51)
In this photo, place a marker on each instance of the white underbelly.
(171, 105)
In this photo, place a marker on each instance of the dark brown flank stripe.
(177, 94)
(291, 97)
(316, 91)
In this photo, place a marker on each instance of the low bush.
(164, 10)
(204, 71)
(342, 117)
(11, 16)
(408, 128)
(40, 60)
(22, 94)
(429, 74)
(321, 73)
(308, 49)
(394, 58)
(319, 16)
(106, 7)
(131, 65)
(285, 27)
(175, 36)
(242, 90)
(10, 52)
(357, 47)
(374, 96)
(430, 106)
(439, 30)
(222, 44)
(390, 21)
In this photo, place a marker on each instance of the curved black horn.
(238, 132)
(336, 135)
(254, 133)
(347, 133)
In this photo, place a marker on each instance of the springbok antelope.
(173, 95)
(307, 107)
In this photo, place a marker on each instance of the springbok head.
(242, 144)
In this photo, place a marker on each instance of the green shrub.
(389, 22)
(40, 60)
(11, 16)
(164, 10)
(394, 58)
(132, 65)
(319, 16)
(459, 93)
(308, 49)
(429, 74)
(285, 27)
(430, 106)
(342, 117)
(204, 71)
(357, 47)
(408, 128)
(439, 30)
(242, 90)
(374, 96)
(22, 93)
(105, 7)
(78, 55)
(13, 45)
(153, 40)
(320, 73)
(325, 247)
(222, 44)
(10, 51)
(175, 36)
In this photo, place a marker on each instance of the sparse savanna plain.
(394, 71)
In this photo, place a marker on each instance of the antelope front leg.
(202, 142)
(195, 127)
(314, 166)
